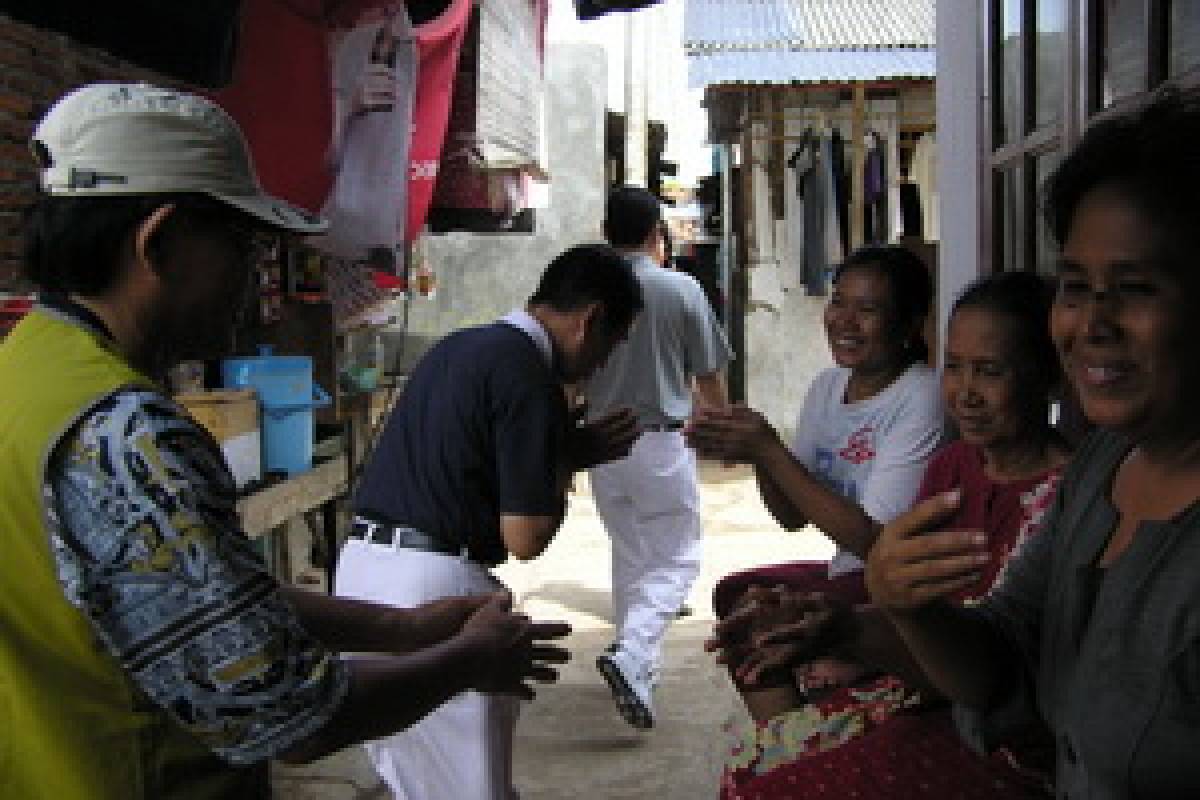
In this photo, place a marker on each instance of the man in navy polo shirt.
(473, 466)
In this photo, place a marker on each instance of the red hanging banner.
(280, 97)
(439, 42)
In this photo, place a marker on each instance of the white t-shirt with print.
(873, 451)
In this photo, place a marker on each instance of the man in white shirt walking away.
(649, 500)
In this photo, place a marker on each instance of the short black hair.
(630, 214)
(73, 244)
(911, 289)
(1025, 298)
(591, 273)
(1150, 154)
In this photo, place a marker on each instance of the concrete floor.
(570, 741)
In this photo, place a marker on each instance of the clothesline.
(839, 113)
(801, 137)
(906, 123)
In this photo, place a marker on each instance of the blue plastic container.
(287, 397)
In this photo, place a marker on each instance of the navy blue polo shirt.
(477, 433)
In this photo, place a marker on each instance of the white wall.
(960, 98)
(667, 96)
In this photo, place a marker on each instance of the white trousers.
(651, 508)
(463, 749)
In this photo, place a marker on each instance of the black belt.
(662, 427)
(402, 536)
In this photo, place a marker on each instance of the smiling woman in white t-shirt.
(866, 431)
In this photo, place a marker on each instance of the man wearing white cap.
(145, 652)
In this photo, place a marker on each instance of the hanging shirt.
(791, 264)
(819, 238)
(374, 78)
(924, 173)
(840, 208)
(875, 192)
(763, 238)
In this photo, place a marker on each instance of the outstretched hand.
(734, 434)
(509, 651)
(910, 567)
(606, 439)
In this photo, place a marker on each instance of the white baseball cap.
(133, 138)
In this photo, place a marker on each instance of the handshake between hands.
(733, 434)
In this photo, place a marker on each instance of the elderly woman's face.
(981, 378)
(1118, 319)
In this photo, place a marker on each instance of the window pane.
(1123, 58)
(1185, 35)
(1049, 52)
(1007, 244)
(1008, 119)
(1046, 248)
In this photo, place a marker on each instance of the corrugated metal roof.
(809, 66)
(742, 23)
(808, 24)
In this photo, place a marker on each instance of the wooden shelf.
(267, 509)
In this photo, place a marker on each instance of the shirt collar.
(63, 306)
(641, 260)
(528, 324)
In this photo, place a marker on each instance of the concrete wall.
(786, 347)
(480, 277)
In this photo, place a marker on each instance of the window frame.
(1021, 149)
(1082, 84)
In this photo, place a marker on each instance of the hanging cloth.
(373, 81)
(590, 9)
(438, 44)
(910, 210)
(818, 241)
(875, 185)
(763, 225)
(840, 194)
(924, 174)
(834, 185)
(790, 232)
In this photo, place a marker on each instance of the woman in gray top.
(1101, 614)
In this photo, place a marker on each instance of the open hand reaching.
(509, 650)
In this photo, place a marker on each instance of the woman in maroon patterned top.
(882, 735)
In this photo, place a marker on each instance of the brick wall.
(36, 68)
